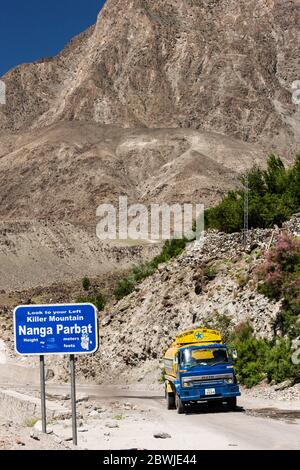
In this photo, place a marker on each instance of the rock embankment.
(212, 285)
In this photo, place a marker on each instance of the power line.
(246, 210)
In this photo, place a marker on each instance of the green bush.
(171, 249)
(228, 215)
(279, 276)
(260, 358)
(143, 270)
(86, 283)
(162, 377)
(279, 366)
(251, 353)
(125, 287)
(210, 272)
(288, 322)
(274, 195)
(30, 422)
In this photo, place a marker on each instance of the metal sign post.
(43, 394)
(73, 399)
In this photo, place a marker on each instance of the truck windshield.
(203, 357)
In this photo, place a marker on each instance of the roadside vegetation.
(274, 196)
(86, 283)
(138, 273)
(30, 422)
(260, 359)
(279, 279)
(92, 295)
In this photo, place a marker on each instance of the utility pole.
(246, 209)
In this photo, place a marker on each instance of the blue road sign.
(55, 329)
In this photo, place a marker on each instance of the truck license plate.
(210, 391)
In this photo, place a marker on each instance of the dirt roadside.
(135, 418)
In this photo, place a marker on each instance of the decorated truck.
(198, 368)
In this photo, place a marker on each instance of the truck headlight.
(229, 381)
(187, 384)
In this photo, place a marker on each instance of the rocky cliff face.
(165, 100)
(66, 170)
(221, 65)
(54, 178)
(51, 252)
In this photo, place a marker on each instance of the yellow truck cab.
(198, 368)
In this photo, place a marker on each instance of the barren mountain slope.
(165, 100)
(65, 171)
(62, 173)
(39, 253)
(220, 65)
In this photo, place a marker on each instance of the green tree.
(274, 195)
(260, 358)
(86, 283)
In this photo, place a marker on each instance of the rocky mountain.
(66, 170)
(163, 101)
(223, 66)
(53, 179)
(41, 252)
(220, 65)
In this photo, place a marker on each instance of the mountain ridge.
(222, 66)
(165, 101)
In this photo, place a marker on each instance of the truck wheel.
(170, 397)
(231, 403)
(179, 405)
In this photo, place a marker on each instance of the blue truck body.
(200, 372)
(203, 380)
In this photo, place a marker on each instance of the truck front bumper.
(199, 394)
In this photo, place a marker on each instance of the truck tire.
(170, 397)
(231, 403)
(179, 405)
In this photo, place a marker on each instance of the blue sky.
(31, 29)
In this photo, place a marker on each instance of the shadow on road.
(290, 416)
(210, 409)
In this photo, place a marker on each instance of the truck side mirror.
(234, 354)
(175, 363)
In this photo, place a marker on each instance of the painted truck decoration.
(198, 368)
